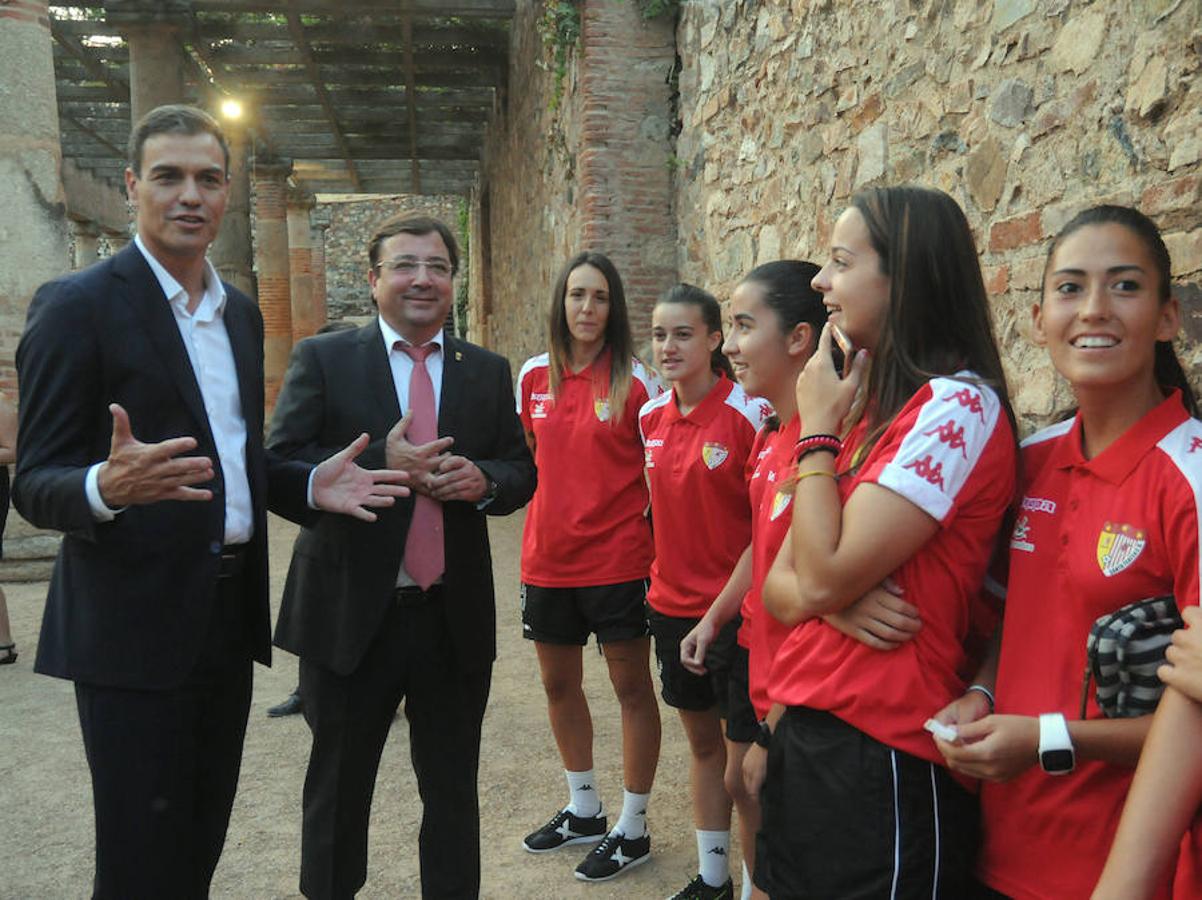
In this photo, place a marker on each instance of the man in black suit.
(158, 600)
(404, 610)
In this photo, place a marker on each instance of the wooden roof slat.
(488, 9)
(119, 87)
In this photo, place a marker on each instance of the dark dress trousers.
(363, 648)
(159, 647)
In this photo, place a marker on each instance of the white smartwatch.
(1056, 754)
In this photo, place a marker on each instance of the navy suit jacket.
(129, 600)
(340, 583)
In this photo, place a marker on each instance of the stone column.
(152, 31)
(305, 320)
(33, 230)
(232, 253)
(320, 219)
(271, 266)
(87, 243)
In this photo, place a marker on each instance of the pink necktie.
(425, 557)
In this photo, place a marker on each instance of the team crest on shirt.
(1118, 547)
(713, 454)
(1022, 531)
(540, 405)
(781, 502)
(601, 409)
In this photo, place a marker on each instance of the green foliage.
(653, 8)
(559, 28)
(464, 236)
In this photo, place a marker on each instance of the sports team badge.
(1020, 539)
(1118, 547)
(781, 502)
(713, 454)
(601, 409)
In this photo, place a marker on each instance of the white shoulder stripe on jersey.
(1182, 445)
(1048, 433)
(943, 447)
(542, 361)
(651, 383)
(649, 407)
(754, 409)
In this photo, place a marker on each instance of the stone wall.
(1025, 111)
(352, 222)
(590, 170)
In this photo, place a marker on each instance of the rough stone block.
(1018, 231)
(1007, 12)
(985, 173)
(872, 146)
(1011, 103)
(1077, 45)
(1149, 91)
(1185, 249)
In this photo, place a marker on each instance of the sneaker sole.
(622, 871)
(583, 839)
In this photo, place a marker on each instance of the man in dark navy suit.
(158, 601)
(403, 610)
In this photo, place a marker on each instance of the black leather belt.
(233, 560)
(412, 595)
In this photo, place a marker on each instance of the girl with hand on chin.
(1109, 516)
(698, 437)
(586, 554)
(905, 470)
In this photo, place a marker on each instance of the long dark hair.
(618, 339)
(1166, 367)
(938, 320)
(788, 292)
(711, 314)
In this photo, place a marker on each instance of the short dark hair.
(411, 224)
(174, 118)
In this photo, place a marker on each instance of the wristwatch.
(763, 737)
(1056, 754)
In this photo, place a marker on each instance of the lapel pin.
(458, 356)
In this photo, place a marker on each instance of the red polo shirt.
(697, 469)
(772, 513)
(587, 523)
(1091, 536)
(950, 451)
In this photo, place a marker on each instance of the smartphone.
(842, 350)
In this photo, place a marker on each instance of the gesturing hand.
(341, 486)
(138, 473)
(458, 478)
(421, 461)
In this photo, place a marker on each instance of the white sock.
(585, 800)
(745, 893)
(633, 823)
(713, 861)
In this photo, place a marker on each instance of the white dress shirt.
(208, 345)
(401, 364)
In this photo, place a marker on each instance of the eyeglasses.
(408, 265)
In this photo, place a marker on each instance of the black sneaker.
(566, 828)
(613, 856)
(697, 889)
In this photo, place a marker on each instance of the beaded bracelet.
(816, 442)
(821, 448)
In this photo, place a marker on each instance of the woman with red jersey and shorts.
(1109, 516)
(698, 437)
(776, 316)
(857, 801)
(586, 554)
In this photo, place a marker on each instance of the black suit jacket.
(129, 599)
(343, 571)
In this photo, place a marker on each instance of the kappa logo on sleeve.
(970, 400)
(929, 469)
(951, 435)
(714, 454)
(1118, 547)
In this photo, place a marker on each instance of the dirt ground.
(46, 828)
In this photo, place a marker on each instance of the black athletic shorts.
(613, 612)
(680, 688)
(848, 816)
(741, 723)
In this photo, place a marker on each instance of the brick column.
(33, 233)
(626, 185)
(152, 31)
(320, 219)
(87, 243)
(232, 253)
(305, 318)
(271, 266)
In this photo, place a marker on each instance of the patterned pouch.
(1122, 654)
